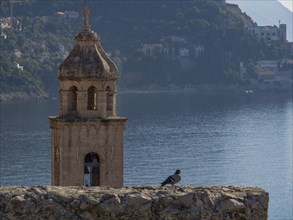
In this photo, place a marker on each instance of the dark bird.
(175, 178)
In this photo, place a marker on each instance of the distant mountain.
(268, 12)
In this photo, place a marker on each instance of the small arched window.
(92, 98)
(72, 98)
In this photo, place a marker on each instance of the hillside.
(268, 13)
(155, 44)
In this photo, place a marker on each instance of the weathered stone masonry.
(213, 202)
(87, 135)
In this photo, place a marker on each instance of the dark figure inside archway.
(91, 170)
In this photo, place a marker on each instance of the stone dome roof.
(87, 59)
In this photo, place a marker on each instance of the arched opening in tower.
(91, 170)
(92, 98)
(72, 98)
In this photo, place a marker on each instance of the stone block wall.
(211, 202)
(72, 140)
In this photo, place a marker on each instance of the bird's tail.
(164, 183)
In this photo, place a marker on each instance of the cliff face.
(213, 202)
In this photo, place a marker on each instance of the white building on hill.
(269, 33)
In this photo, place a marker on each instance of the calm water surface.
(213, 139)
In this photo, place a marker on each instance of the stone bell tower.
(87, 135)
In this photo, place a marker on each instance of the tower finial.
(86, 13)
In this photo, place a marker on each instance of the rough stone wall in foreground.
(212, 202)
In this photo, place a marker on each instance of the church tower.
(87, 135)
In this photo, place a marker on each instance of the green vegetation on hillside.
(159, 43)
(34, 46)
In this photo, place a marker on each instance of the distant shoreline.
(22, 96)
(199, 89)
(209, 89)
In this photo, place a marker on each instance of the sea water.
(215, 139)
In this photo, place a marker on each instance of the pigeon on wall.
(175, 178)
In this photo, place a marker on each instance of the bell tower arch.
(87, 135)
(91, 169)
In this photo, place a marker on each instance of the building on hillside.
(18, 66)
(267, 69)
(5, 23)
(176, 39)
(152, 49)
(290, 46)
(183, 52)
(269, 33)
(198, 50)
(87, 135)
(67, 14)
(275, 74)
(17, 53)
(71, 14)
(3, 35)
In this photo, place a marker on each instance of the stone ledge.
(78, 119)
(208, 202)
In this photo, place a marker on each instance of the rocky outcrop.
(212, 202)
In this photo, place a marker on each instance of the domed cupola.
(87, 59)
(88, 78)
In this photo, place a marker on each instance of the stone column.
(81, 102)
(63, 102)
(102, 103)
